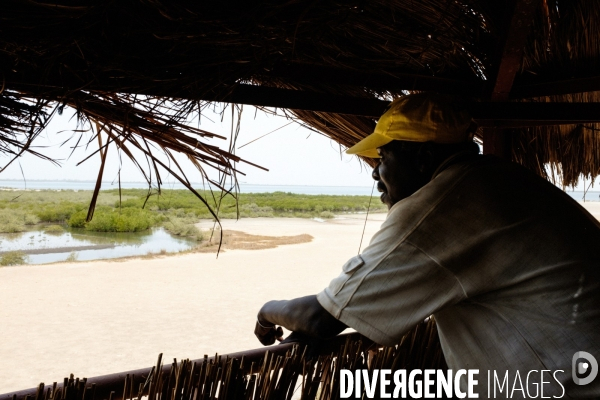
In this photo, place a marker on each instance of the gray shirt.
(507, 263)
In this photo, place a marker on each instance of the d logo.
(582, 367)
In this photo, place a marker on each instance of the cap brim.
(368, 146)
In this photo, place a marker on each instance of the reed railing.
(284, 371)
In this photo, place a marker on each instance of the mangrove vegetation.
(175, 210)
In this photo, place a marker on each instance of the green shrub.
(13, 258)
(30, 219)
(53, 229)
(179, 227)
(77, 220)
(14, 220)
(59, 212)
(250, 204)
(72, 257)
(327, 214)
(180, 223)
(11, 227)
(252, 210)
(124, 220)
(114, 220)
(57, 207)
(179, 212)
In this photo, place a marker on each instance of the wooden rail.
(105, 384)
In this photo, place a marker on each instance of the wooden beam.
(501, 114)
(310, 74)
(565, 86)
(489, 114)
(300, 100)
(260, 96)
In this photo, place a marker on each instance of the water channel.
(81, 245)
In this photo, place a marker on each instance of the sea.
(244, 188)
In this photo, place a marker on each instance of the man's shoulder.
(485, 163)
(478, 182)
(498, 189)
(494, 174)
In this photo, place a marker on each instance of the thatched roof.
(138, 68)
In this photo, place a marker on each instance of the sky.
(294, 155)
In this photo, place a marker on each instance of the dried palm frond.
(564, 43)
(563, 153)
(140, 68)
(134, 125)
(21, 121)
(95, 56)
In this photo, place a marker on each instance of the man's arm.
(304, 315)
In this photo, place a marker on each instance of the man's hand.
(297, 337)
(312, 344)
(303, 315)
(268, 333)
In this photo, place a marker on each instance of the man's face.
(397, 174)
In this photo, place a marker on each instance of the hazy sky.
(294, 155)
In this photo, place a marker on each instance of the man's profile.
(508, 264)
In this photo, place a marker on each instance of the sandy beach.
(100, 317)
(94, 318)
(593, 208)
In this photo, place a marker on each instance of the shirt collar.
(454, 158)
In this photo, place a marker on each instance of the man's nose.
(375, 173)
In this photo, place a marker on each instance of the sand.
(95, 318)
(593, 208)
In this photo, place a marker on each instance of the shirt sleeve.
(390, 287)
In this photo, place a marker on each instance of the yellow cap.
(421, 117)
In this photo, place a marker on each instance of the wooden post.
(517, 22)
(495, 142)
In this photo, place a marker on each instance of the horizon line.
(164, 184)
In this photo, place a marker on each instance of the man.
(507, 264)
